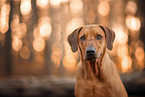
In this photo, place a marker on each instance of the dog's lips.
(91, 58)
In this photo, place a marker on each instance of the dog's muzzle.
(90, 53)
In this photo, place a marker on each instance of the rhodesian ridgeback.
(97, 75)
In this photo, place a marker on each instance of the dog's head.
(91, 40)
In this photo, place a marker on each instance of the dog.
(97, 75)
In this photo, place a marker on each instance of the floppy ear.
(110, 36)
(73, 39)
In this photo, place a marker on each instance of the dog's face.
(91, 40)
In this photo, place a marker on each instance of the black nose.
(90, 52)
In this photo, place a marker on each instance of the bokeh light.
(21, 30)
(55, 3)
(36, 33)
(4, 18)
(131, 7)
(45, 27)
(25, 7)
(4, 26)
(73, 24)
(133, 23)
(45, 30)
(42, 3)
(123, 51)
(120, 35)
(126, 63)
(139, 54)
(69, 63)
(25, 53)
(56, 57)
(103, 8)
(15, 21)
(16, 43)
(5, 9)
(57, 53)
(76, 6)
(39, 44)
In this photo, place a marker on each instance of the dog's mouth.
(92, 67)
(90, 58)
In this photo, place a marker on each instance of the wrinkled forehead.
(91, 29)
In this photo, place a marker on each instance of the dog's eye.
(99, 37)
(83, 38)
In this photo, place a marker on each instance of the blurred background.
(35, 58)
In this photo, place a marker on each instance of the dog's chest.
(94, 89)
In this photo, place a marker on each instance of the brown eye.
(98, 37)
(83, 38)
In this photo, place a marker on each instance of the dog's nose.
(90, 52)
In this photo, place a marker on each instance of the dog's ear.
(73, 39)
(110, 36)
